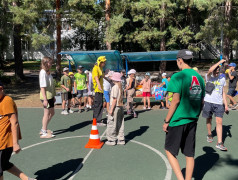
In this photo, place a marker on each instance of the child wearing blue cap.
(232, 85)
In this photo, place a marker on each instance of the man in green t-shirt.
(81, 81)
(180, 124)
(66, 85)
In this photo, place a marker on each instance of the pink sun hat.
(116, 76)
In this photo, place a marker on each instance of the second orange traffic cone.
(94, 139)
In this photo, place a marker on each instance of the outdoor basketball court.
(143, 157)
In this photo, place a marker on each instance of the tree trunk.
(227, 41)
(162, 41)
(18, 52)
(108, 16)
(58, 40)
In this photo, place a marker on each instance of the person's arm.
(98, 83)
(174, 104)
(230, 76)
(15, 132)
(162, 84)
(114, 102)
(63, 86)
(224, 99)
(43, 92)
(215, 66)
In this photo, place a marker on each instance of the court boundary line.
(168, 167)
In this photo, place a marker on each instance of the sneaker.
(144, 107)
(48, 131)
(64, 112)
(31, 178)
(162, 108)
(221, 146)
(70, 111)
(135, 115)
(121, 142)
(209, 138)
(101, 124)
(234, 106)
(104, 110)
(86, 109)
(110, 143)
(149, 107)
(80, 110)
(46, 136)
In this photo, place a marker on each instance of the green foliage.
(40, 39)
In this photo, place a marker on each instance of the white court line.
(84, 160)
(168, 167)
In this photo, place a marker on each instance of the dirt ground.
(26, 94)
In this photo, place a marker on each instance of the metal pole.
(58, 38)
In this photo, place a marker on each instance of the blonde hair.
(44, 63)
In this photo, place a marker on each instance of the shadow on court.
(226, 132)
(136, 133)
(204, 163)
(73, 128)
(59, 170)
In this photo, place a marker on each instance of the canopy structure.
(88, 58)
(149, 56)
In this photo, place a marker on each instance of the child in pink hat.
(115, 121)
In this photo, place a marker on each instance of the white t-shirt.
(45, 79)
(106, 85)
(216, 96)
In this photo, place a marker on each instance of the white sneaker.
(70, 111)
(149, 107)
(110, 143)
(144, 107)
(47, 136)
(64, 112)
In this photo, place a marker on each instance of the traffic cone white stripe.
(94, 136)
(94, 127)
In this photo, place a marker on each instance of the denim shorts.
(107, 96)
(209, 109)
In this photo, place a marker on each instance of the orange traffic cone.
(94, 140)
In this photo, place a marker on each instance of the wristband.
(166, 122)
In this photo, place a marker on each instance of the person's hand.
(100, 88)
(45, 103)
(16, 148)
(226, 108)
(222, 61)
(165, 127)
(67, 89)
(125, 90)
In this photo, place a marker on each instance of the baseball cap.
(65, 69)
(132, 71)
(71, 73)
(147, 74)
(164, 74)
(80, 67)
(123, 70)
(185, 54)
(86, 71)
(232, 65)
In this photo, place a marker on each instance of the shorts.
(107, 96)
(51, 103)
(5, 156)
(146, 94)
(66, 96)
(231, 92)
(183, 137)
(82, 93)
(74, 96)
(209, 109)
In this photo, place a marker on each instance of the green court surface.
(142, 158)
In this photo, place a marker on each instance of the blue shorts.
(209, 109)
(107, 96)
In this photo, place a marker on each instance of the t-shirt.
(165, 86)
(90, 82)
(216, 96)
(123, 82)
(67, 82)
(81, 81)
(106, 85)
(233, 82)
(171, 96)
(146, 85)
(47, 82)
(7, 107)
(191, 87)
(97, 71)
(116, 93)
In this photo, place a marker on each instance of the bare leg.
(219, 129)
(209, 126)
(175, 165)
(69, 103)
(80, 104)
(90, 101)
(85, 101)
(45, 119)
(148, 99)
(18, 173)
(231, 99)
(104, 104)
(1, 178)
(108, 106)
(51, 114)
(162, 103)
(144, 101)
(63, 104)
(189, 168)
